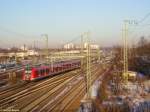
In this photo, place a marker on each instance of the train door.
(47, 71)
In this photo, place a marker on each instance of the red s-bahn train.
(38, 72)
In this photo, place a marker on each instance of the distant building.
(24, 48)
(72, 46)
(69, 46)
(32, 53)
(93, 46)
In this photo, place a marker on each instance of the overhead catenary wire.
(14, 32)
(125, 42)
(73, 40)
(144, 18)
(138, 24)
(77, 38)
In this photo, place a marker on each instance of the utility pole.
(125, 46)
(52, 61)
(87, 103)
(46, 47)
(34, 58)
(34, 44)
(24, 50)
(82, 53)
(122, 45)
(88, 74)
(125, 51)
(98, 54)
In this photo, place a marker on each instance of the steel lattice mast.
(82, 53)
(46, 46)
(125, 50)
(88, 74)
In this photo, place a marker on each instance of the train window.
(47, 71)
(41, 72)
(36, 72)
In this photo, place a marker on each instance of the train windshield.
(2, 66)
(28, 69)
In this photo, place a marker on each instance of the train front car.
(28, 73)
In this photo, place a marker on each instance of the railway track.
(33, 96)
(58, 96)
(74, 96)
(7, 97)
(17, 88)
(61, 96)
(12, 95)
(72, 102)
(52, 99)
(24, 106)
(49, 96)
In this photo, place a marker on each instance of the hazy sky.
(23, 21)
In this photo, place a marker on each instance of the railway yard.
(68, 84)
(62, 86)
(74, 56)
(62, 92)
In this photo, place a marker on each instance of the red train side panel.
(43, 71)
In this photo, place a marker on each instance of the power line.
(144, 18)
(138, 24)
(14, 32)
(73, 40)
